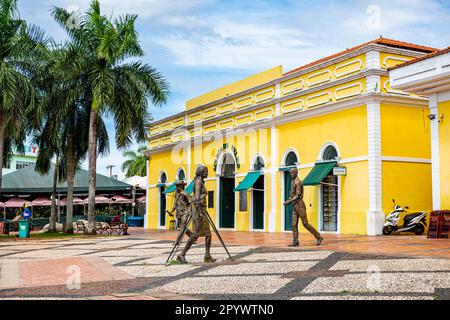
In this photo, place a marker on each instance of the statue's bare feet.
(209, 259)
(181, 259)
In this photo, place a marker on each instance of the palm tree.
(64, 132)
(18, 44)
(121, 89)
(136, 165)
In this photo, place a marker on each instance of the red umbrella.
(76, 201)
(41, 201)
(99, 199)
(17, 202)
(121, 199)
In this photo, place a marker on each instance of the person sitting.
(116, 219)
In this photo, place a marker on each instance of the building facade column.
(147, 196)
(435, 165)
(375, 214)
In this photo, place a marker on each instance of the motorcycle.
(413, 222)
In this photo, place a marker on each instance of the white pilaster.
(147, 197)
(375, 215)
(373, 84)
(373, 60)
(435, 166)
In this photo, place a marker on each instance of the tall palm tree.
(104, 53)
(64, 132)
(18, 43)
(136, 165)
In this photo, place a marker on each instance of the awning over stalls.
(190, 188)
(17, 202)
(41, 201)
(2, 205)
(171, 188)
(318, 173)
(99, 199)
(142, 199)
(76, 201)
(248, 181)
(120, 199)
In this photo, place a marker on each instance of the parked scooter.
(413, 222)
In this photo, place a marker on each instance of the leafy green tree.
(136, 165)
(19, 44)
(105, 54)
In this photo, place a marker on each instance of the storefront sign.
(340, 171)
(226, 146)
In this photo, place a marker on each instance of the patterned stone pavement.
(124, 268)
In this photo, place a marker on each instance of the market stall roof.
(142, 199)
(121, 199)
(27, 180)
(17, 202)
(99, 199)
(41, 201)
(76, 201)
(318, 173)
(248, 181)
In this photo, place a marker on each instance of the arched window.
(228, 166)
(330, 153)
(181, 175)
(259, 164)
(291, 159)
(163, 178)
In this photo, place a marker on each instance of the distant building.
(20, 161)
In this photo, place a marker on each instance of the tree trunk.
(92, 170)
(70, 177)
(2, 142)
(53, 207)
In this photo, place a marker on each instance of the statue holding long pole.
(201, 221)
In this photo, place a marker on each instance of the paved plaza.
(133, 268)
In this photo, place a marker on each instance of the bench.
(80, 227)
(102, 227)
(116, 227)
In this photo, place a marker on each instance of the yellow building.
(356, 141)
(429, 76)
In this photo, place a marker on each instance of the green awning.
(190, 188)
(286, 168)
(318, 173)
(248, 181)
(171, 188)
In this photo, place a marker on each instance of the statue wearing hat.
(199, 215)
(296, 198)
(181, 204)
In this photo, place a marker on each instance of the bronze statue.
(296, 198)
(200, 217)
(182, 204)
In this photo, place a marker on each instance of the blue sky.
(200, 45)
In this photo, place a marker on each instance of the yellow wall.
(236, 87)
(348, 130)
(444, 154)
(405, 131)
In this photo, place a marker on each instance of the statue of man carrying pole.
(296, 198)
(182, 204)
(199, 216)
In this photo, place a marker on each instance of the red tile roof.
(381, 40)
(427, 56)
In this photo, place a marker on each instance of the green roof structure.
(27, 180)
